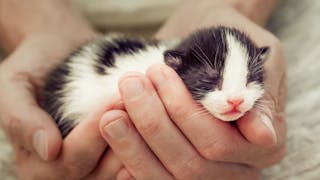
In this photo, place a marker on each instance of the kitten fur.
(216, 65)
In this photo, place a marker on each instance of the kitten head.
(223, 70)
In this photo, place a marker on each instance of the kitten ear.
(173, 58)
(264, 53)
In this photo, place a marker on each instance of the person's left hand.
(39, 150)
(165, 134)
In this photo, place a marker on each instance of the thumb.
(35, 131)
(26, 124)
(257, 127)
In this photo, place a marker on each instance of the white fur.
(87, 88)
(234, 84)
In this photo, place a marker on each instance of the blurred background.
(295, 23)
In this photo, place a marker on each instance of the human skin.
(21, 77)
(31, 33)
(171, 138)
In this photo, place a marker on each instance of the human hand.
(171, 137)
(22, 75)
(38, 147)
(32, 32)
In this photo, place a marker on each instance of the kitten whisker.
(201, 58)
(204, 54)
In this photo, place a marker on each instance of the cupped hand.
(39, 149)
(22, 75)
(166, 135)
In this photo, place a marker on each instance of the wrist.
(21, 20)
(38, 54)
(45, 47)
(65, 37)
(257, 11)
(208, 13)
(54, 46)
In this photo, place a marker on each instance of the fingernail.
(132, 87)
(116, 129)
(40, 143)
(268, 123)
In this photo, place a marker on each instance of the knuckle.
(275, 42)
(271, 158)
(276, 45)
(136, 163)
(271, 102)
(278, 156)
(11, 125)
(181, 112)
(78, 169)
(150, 127)
(191, 169)
(215, 151)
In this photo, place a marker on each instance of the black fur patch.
(203, 55)
(52, 96)
(117, 47)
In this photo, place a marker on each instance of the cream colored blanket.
(296, 23)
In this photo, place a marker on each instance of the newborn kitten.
(221, 67)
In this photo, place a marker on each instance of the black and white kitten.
(221, 67)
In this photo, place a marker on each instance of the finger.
(29, 166)
(129, 147)
(153, 123)
(258, 128)
(27, 125)
(213, 138)
(108, 168)
(124, 174)
(84, 146)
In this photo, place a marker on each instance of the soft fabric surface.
(297, 25)
(124, 14)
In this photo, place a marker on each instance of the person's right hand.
(39, 149)
(165, 133)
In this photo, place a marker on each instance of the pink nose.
(235, 102)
